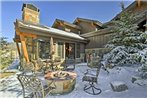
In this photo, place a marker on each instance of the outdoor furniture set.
(46, 79)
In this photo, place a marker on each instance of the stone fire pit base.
(64, 84)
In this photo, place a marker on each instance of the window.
(44, 49)
(78, 50)
(61, 49)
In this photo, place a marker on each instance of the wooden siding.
(86, 27)
(98, 41)
(140, 9)
(64, 27)
(72, 29)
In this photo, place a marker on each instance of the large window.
(31, 47)
(61, 49)
(44, 49)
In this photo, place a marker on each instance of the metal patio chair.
(28, 67)
(69, 65)
(91, 76)
(33, 87)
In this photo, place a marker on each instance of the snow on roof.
(51, 30)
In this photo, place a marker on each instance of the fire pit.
(65, 81)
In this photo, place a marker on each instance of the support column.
(18, 48)
(37, 50)
(138, 3)
(24, 48)
(75, 50)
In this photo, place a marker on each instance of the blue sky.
(102, 11)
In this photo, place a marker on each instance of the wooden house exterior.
(35, 38)
(66, 26)
(99, 38)
(87, 25)
(69, 39)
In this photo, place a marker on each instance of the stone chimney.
(30, 13)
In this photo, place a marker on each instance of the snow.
(12, 89)
(121, 55)
(53, 31)
(14, 64)
(117, 83)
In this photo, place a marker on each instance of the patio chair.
(28, 67)
(33, 87)
(69, 65)
(91, 76)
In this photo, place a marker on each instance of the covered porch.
(34, 41)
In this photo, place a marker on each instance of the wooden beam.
(29, 35)
(93, 25)
(18, 48)
(77, 20)
(138, 3)
(25, 34)
(16, 40)
(25, 52)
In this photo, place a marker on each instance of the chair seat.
(90, 79)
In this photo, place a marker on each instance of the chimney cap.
(30, 6)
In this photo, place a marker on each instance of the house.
(66, 26)
(35, 38)
(70, 40)
(87, 25)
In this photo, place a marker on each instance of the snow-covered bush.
(128, 44)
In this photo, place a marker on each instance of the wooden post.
(18, 48)
(37, 50)
(23, 44)
(138, 3)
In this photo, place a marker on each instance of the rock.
(135, 78)
(118, 86)
(141, 82)
(144, 75)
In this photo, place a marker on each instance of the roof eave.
(47, 32)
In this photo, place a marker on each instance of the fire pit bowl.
(65, 81)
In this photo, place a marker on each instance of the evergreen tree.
(128, 43)
(3, 42)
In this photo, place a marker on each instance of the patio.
(11, 88)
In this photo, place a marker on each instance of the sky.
(102, 11)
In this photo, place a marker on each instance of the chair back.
(69, 64)
(98, 69)
(28, 67)
(31, 85)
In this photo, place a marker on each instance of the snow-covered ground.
(12, 89)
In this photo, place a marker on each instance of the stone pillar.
(30, 13)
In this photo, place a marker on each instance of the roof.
(126, 9)
(97, 33)
(48, 30)
(88, 20)
(65, 23)
(30, 6)
(132, 5)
